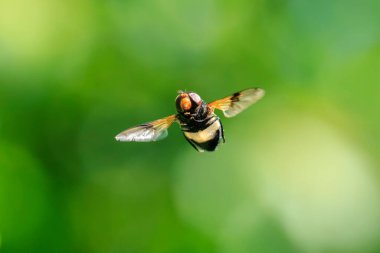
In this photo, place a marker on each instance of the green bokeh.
(299, 172)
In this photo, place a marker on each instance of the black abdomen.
(208, 135)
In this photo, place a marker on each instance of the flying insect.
(201, 127)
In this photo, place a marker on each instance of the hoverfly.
(201, 127)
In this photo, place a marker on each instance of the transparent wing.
(151, 131)
(238, 102)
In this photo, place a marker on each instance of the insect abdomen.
(208, 138)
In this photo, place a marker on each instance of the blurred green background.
(299, 172)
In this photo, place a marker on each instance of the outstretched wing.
(151, 131)
(238, 102)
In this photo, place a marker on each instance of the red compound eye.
(185, 103)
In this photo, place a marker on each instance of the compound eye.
(195, 97)
(185, 104)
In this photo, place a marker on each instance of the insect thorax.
(198, 120)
